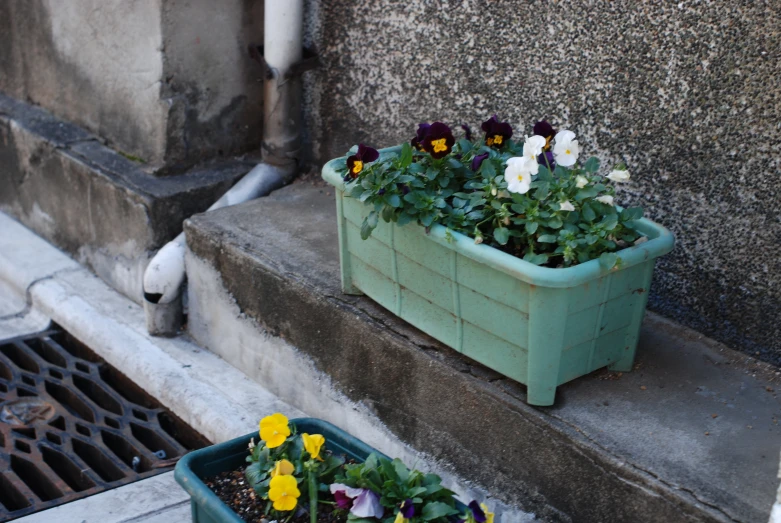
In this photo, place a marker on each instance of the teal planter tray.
(210, 461)
(539, 326)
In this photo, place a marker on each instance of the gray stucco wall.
(686, 93)
(167, 81)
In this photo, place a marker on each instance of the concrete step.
(690, 435)
(198, 386)
(89, 200)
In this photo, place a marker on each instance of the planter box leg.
(547, 323)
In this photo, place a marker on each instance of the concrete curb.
(213, 397)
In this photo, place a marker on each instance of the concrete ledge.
(89, 200)
(643, 446)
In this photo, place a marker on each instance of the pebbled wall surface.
(686, 93)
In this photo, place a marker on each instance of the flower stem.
(312, 496)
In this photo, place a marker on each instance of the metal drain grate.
(71, 426)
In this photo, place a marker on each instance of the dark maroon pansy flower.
(477, 512)
(477, 161)
(356, 162)
(342, 500)
(496, 132)
(467, 132)
(407, 509)
(545, 130)
(417, 142)
(403, 188)
(439, 140)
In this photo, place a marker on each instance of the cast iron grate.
(72, 426)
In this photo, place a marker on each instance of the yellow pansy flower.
(274, 430)
(313, 444)
(283, 468)
(283, 491)
(489, 516)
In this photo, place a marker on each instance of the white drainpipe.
(283, 35)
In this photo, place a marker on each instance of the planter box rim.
(660, 242)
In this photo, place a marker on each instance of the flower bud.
(493, 191)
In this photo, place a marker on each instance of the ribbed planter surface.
(539, 326)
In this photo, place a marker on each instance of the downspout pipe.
(283, 36)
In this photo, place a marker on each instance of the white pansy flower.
(619, 175)
(607, 199)
(581, 181)
(566, 206)
(532, 147)
(566, 151)
(518, 174)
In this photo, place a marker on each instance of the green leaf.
(464, 145)
(555, 222)
(632, 213)
(587, 192)
(502, 235)
(609, 222)
(401, 470)
(387, 213)
(369, 224)
(365, 195)
(431, 173)
(405, 159)
(454, 164)
(543, 189)
(393, 200)
(437, 509)
(536, 259)
(544, 174)
(592, 165)
(547, 238)
(487, 168)
(588, 213)
(531, 227)
(458, 203)
(608, 260)
(426, 219)
(404, 218)
(254, 473)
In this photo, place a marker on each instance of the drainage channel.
(72, 426)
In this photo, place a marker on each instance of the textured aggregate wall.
(688, 94)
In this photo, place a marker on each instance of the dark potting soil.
(234, 490)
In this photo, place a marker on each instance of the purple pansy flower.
(343, 501)
(367, 505)
(547, 160)
(362, 502)
(496, 132)
(439, 140)
(403, 188)
(407, 509)
(477, 161)
(355, 163)
(467, 131)
(477, 512)
(417, 142)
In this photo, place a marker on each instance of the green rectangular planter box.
(539, 326)
(210, 461)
